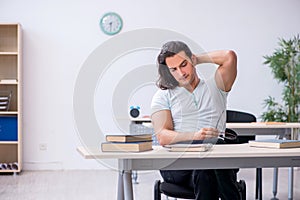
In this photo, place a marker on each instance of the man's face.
(182, 69)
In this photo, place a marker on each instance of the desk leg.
(275, 182)
(120, 186)
(125, 191)
(127, 181)
(294, 136)
(291, 183)
(258, 192)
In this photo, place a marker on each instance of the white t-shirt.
(204, 107)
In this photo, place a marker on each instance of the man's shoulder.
(161, 93)
(160, 100)
(166, 91)
(167, 94)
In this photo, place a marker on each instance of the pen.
(221, 133)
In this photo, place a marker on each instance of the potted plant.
(285, 65)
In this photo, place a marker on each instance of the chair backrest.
(233, 116)
(239, 117)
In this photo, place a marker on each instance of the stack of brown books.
(5, 100)
(127, 143)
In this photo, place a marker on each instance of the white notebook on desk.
(189, 147)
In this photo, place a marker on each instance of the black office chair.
(179, 191)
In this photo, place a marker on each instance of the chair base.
(157, 192)
(242, 189)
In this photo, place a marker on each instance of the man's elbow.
(161, 139)
(231, 55)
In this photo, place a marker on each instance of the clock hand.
(110, 25)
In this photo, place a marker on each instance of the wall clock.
(111, 23)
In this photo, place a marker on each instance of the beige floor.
(101, 185)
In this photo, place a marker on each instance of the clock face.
(111, 23)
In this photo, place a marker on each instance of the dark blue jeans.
(207, 184)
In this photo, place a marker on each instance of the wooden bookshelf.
(11, 110)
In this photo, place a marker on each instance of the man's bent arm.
(164, 130)
(227, 70)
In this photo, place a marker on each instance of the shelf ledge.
(8, 142)
(8, 112)
(8, 53)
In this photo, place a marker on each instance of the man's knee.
(205, 176)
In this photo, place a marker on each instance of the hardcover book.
(275, 143)
(126, 146)
(129, 138)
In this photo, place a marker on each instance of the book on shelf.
(3, 108)
(4, 98)
(3, 103)
(189, 147)
(275, 143)
(129, 138)
(126, 146)
(5, 95)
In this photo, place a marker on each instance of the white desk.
(221, 156)
(290, 130)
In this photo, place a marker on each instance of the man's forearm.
(170, 137)
(217, 57)
(166, 136)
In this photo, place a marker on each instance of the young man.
(188, 108)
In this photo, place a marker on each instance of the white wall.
(59, 35)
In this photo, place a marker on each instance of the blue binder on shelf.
(8, 128)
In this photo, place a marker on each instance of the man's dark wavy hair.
(169, 49)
